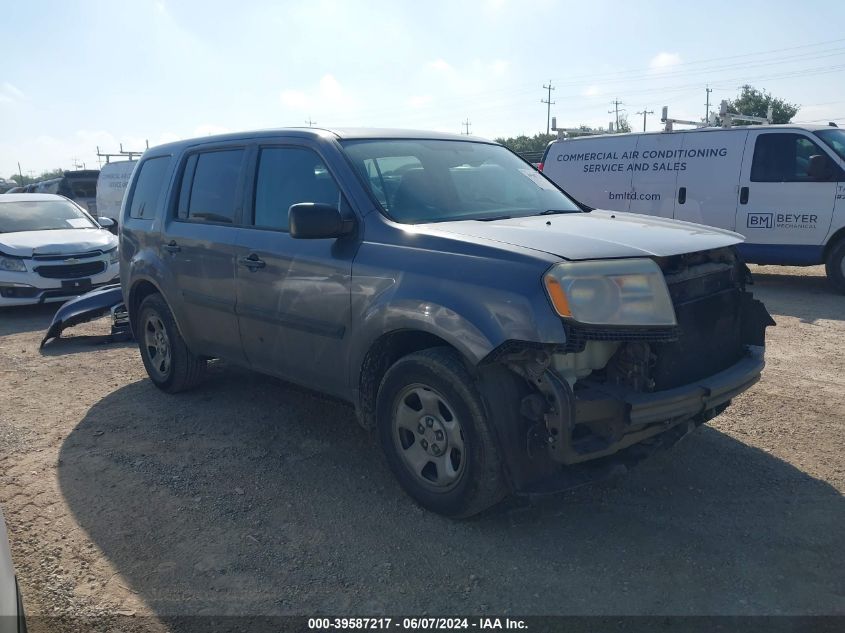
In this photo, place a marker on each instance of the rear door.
(655, 168)
(707, 185)
(293, 294)
(779, 203)
(200, 243)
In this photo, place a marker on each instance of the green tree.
(523, 144)
(754, 102)
(44, 175)
(623, 126)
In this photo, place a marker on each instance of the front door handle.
(743, 195)
(172, 247)
(253, 262)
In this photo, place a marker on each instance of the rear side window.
(211, 194)
(783, 158)
(287, 176)
(148, 187)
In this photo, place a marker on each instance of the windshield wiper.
(554, 211)
(493, 218)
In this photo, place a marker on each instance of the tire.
(835, 265)
(171, 366)
(433, 430)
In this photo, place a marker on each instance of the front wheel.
(434, 433)
(171, 366)
(835, 265)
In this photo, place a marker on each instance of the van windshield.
(834, 138)
(419, 181)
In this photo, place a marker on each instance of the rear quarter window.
(148, 187)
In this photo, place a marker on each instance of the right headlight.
(626, 292)
(12, 264)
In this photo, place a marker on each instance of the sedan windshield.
(42, 215)
(438, 181)
(835, 139)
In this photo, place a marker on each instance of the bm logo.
(759, 221)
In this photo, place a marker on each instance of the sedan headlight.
(12, 264)
(611, 292)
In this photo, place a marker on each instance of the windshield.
(835, 139)
(42, 215)
(439, 181)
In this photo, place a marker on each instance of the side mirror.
(819, 167)
(317, 221)
(106, 223)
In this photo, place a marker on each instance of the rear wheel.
(171, 366)
(835, 265)
(434, 433)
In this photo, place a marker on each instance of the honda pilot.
(499, 337)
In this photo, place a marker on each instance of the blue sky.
(80, 74)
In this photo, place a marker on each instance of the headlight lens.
(12, 264)
(611, 292)
(114, 256)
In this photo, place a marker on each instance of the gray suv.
(499, 336)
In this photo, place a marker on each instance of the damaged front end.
(611, 395)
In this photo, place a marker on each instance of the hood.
(58, 242)
(595, 235)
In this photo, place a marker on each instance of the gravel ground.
(251, 496)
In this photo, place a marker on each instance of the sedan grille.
(71, 271)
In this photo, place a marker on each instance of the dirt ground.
(250, 496)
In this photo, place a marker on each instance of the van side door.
(198, 248)
(655, 168)
(706, 189)
(780, 203)
(294, 294)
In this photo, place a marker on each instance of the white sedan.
(11, 609)
(52, 249)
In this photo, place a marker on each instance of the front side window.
(834, 138)
(42, 215)
(148, 187)
(287, 176)
(210, 186)
(783, 158)
(439, 181)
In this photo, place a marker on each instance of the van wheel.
(171, 366)
(835, 265)
(434, 434)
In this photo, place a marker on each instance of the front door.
(294, 294)
(779, 202)
(200, 244)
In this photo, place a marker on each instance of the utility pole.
(466, 125)
(549, 103)
(616, 103)
(645, 113)
(20, 173)
(708, 89)
(310, 122)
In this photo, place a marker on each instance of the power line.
(549, 104)
(645, 113)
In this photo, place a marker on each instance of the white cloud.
(329, 93)
(440, 64)
(500, 67)
(207, 129)
(664, 60)
(591, 91)
(12, 91)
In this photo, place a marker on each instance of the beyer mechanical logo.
(781, 221)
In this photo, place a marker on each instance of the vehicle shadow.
(249, 496)
(807, 297)
(20, 319)
(80, 343)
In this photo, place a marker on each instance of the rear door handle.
(172, 247)
(253, 262)
(743, 195)
(682, 195)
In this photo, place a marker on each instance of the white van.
(781, 186)
(111, 185)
